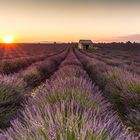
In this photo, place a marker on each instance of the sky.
(70, 20)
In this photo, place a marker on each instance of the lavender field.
(58, 92)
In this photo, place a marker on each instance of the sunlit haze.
(63, 20)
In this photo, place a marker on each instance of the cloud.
(132, 38)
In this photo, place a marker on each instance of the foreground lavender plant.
(64, 120)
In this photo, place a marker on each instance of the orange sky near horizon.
(61, 20)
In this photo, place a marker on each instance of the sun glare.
(8, 39)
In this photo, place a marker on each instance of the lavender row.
(15, 65)
(68, 107)
(21, 50)
(15, 88)
(121, 87)
(119, 59)
(38, 72)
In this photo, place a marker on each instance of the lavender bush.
(12, 91)
(38, 72)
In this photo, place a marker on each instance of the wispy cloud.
(134, 37)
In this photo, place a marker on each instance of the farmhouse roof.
(85, 41)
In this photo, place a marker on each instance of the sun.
(8, 39)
